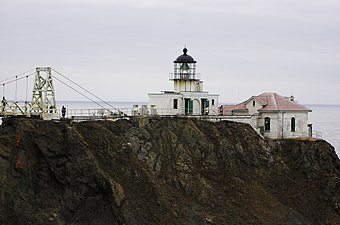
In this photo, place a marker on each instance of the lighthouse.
(188, 96)
(184, 75)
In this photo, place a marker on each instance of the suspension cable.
(16, 88)
(17, 79)
(80, 93)
(23, 75)
(18, 75)
(26, 87)
(87, 91)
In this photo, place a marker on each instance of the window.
(213, 102)
(175, 103)
(292, 124)
(198, 88)
(254, 103)
(267, 124)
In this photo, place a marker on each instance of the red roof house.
(273, 115)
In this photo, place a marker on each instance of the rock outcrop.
(170, 171)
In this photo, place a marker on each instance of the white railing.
(317, 134)
(173, 112)
(189, 76)
(18, 108)
(97, 112)
(287, 134)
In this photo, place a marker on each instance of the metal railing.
(20, 108)
(181, 76)
(177, 112)
(96, 112)
(287, 134)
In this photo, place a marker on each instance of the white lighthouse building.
(188, 97)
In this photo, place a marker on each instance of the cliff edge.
(170, 171)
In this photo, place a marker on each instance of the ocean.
(326, 119)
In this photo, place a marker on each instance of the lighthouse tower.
(184, 75)
(188, 97)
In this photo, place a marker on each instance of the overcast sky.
(121, 50)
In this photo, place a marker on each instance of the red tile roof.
(275, 102)
(270, 102)
(228, 109)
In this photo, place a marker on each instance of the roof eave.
(286, 110)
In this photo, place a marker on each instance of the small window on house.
(175, 103)
(213, 102)
(267, 124)
(254, 103)
(292, 124)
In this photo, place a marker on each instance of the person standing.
(4, 103)
(63, 111)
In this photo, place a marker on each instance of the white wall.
(280, 124)
(164, 103)
(253, 109)
(188, 85)
(280, 127)
(301, 121)
(213, 109)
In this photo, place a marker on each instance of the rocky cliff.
(170, 171)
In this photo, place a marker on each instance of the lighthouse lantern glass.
(184, 70)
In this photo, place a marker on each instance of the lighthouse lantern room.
(184, 76)
(188, 97)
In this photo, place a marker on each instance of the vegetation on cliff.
(170, 171)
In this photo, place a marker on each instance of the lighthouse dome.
(185, 58)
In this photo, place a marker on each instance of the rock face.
(171, 171)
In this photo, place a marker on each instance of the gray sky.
(121, 50)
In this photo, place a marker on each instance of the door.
(204, 106)
(188, 106)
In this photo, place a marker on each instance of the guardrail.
(181, 76)
(97, 112)
(288, 134)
